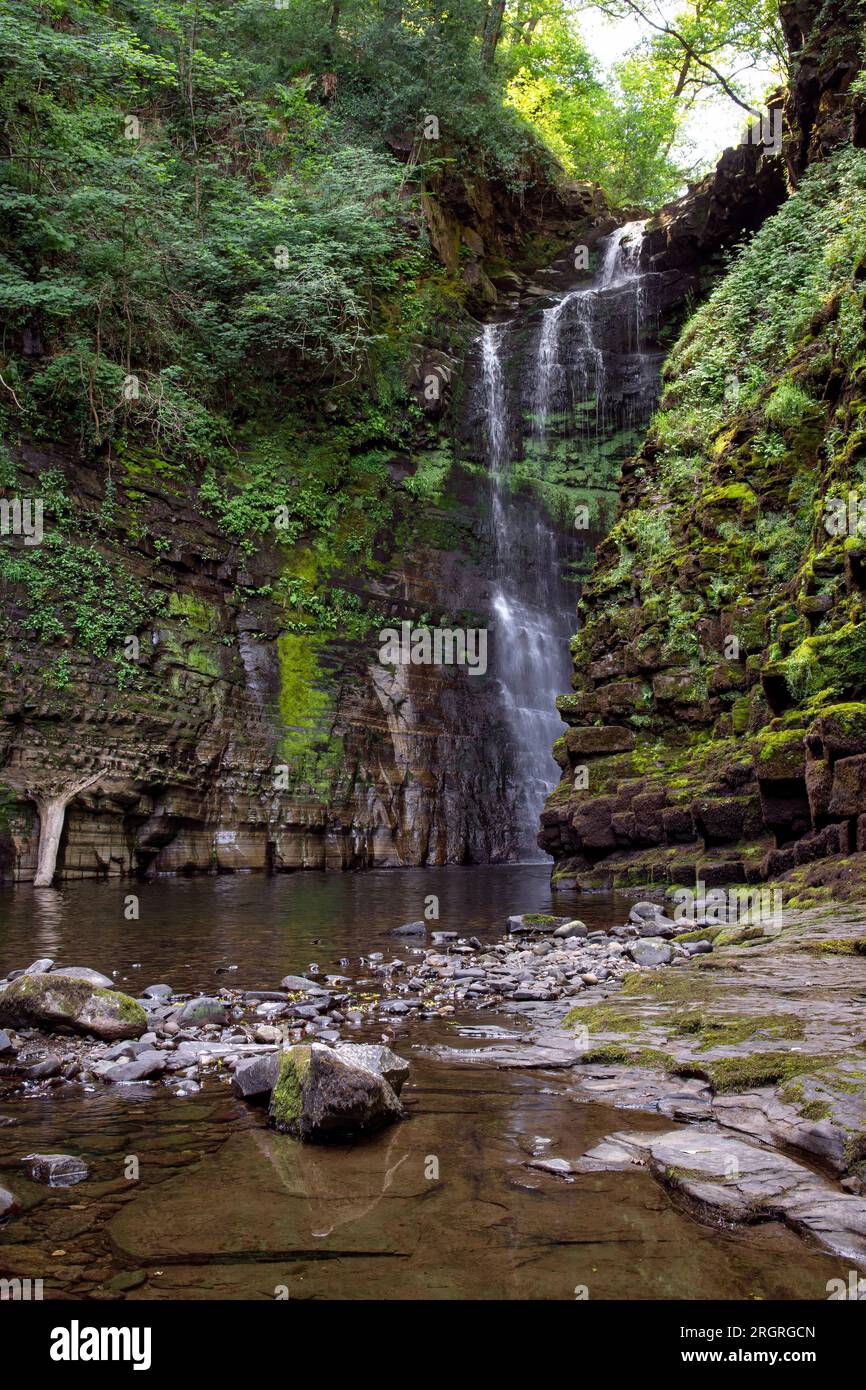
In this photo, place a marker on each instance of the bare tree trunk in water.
(52, 815)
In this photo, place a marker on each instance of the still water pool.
(441, 1206)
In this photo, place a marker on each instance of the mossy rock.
(841, 729)
(780, 756)
(320, 1097)
(70, 1006)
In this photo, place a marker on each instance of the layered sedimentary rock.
(716, 727)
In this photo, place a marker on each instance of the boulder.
(379, 1059)
(7, 1048)
(147, 1064)
(651, 951)
(296, 983)
(83, 973)
(255, 1079)
(8, 1202)
(57, 1170)
(39, 967)
(319, 1096)
(54, 1004)
(411, 929)
(204, 1009)
(535, 922)
(570, 929)
(594, 741)
(644, 911)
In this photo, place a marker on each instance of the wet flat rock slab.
(730, 1180)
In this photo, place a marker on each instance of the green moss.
(760, 1069)
(193, 611)
(833, 661)
(602, 1018)
(714, 1031)
(837, 946)
(129, 1009)
(287, 1099)
(780, 755)
(670, 986)
(610, 1054)
(302, 701)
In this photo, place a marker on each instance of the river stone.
(295, 983)
(377, 1058)
(46, 1067)
(140, 1068)
(571, 929)
(319, 1096)
(255, 1078)
(157, 992)
(204, 1009)
(645, 911)
(83, 973)
(535, 922)
(657, 926)
(57, 1170)
(6, 1045)
(8, 1202)
(411, 929)
(39, 967)
(46, 1002)
(651, 951)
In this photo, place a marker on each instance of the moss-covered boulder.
(321, 1097)
(62, 1005)
(595, 741)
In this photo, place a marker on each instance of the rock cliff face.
(225, 684)
(717, 728)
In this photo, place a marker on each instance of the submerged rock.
(723, 1177)
(57, 1170)
(8, 1202)
(411, 929)
(54, 1004)
(320, 1096)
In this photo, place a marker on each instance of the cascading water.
(531, 612)
(577, 363)
(583, 372)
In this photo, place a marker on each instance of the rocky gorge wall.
(221, 679)
(717, 729)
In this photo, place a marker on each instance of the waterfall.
(584, 373)
(575, 365)
(532, 614)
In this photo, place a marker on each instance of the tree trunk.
(52, 814)
(492, 30)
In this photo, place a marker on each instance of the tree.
(709, 44)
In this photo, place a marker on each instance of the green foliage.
(241, 238)
(75, 591)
